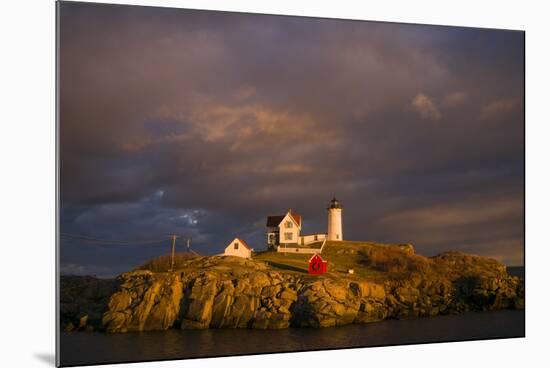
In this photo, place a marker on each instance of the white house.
(238, 248)
(284, 229)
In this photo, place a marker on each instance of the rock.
(278, 321)
(262, 320)
(288, 294)
(155, 306)
(407, 295)
(120, 301)
(370, 290)
(115, 321)
(138, 273)
(407, 248)
(197, 308)
(84, 295)
(371, 311)
(222, 305)
(69, 327)
(163, 314)
(271, 291)
(337, 290)
(187, 324)
(519, 303)
(227, 292)
(83, 321)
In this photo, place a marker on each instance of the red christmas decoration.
(317, 266)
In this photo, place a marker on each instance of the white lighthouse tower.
(335, 220)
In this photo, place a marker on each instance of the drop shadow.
(46, 358)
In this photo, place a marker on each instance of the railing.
(281, 249)
(303, 250)
(323, 245)
(308, 239)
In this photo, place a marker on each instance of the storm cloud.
(202, 123)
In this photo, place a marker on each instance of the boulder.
(155, 305)
(407, 248)
(120, 301)
(83, 321)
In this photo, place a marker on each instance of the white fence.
(297, 250)
(307, 239)
(302, 250)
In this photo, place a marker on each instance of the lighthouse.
(335, 220)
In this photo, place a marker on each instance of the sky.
(202, 123)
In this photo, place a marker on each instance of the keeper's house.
(284, 230)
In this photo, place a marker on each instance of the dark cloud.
(237, 116)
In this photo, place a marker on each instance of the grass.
(316, 244)
(162, 263)
(374, 259)
(366, 259)
(292, 262)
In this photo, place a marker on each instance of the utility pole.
(173, 252)
(188, 244)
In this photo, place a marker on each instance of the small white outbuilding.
(238, 248)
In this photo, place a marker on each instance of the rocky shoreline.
(230, 292)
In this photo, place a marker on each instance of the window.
(288, 224)
(337, 236)
(288, 236)
(236, 246)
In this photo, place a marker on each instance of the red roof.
(244, 243)
(274, 221)
(316, 255)
(297, 218)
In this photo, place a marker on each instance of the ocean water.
(93, 348)
(518, 271)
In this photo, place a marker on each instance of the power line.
(113, 241)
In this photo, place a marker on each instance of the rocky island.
(273, 290)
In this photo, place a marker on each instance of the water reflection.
(93, 348)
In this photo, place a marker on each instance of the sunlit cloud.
(425, 107)
(499, 108)
(454, 99)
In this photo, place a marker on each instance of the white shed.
(238, 248)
